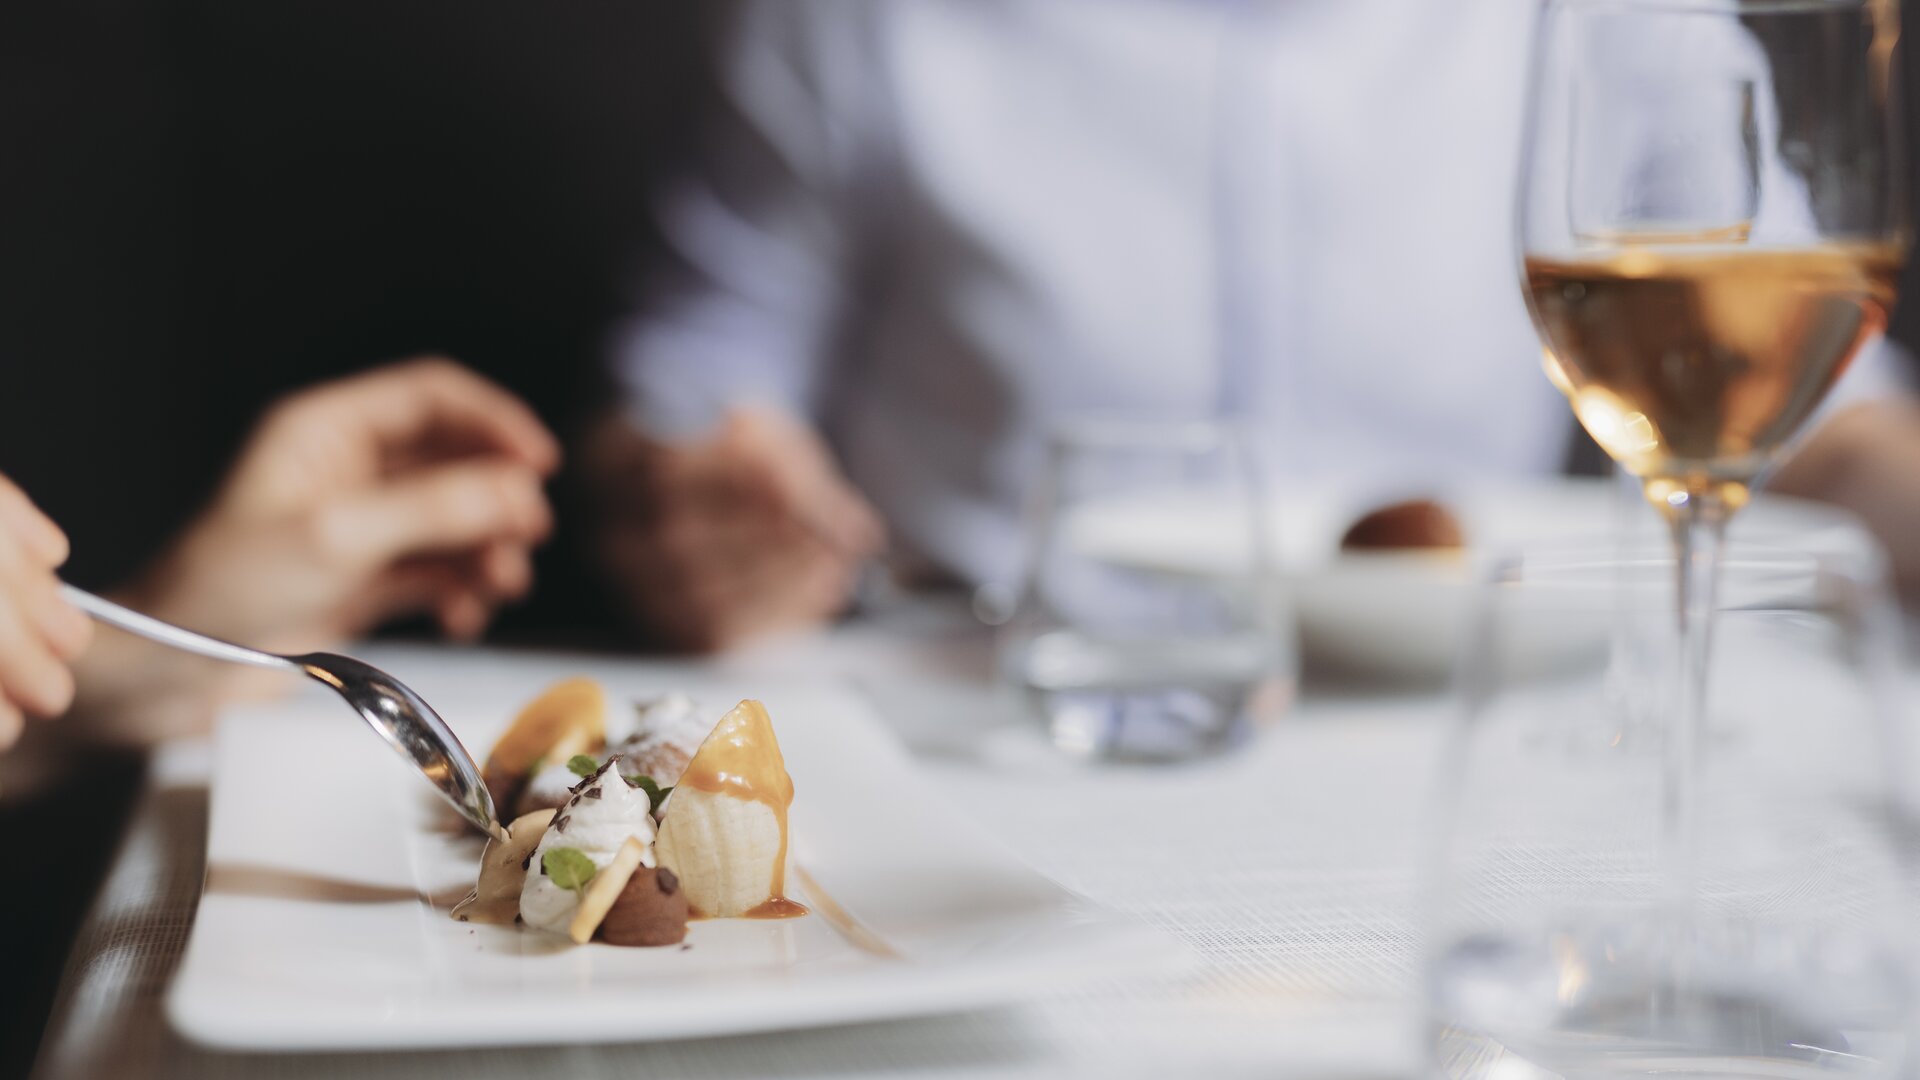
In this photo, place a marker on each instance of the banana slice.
(569, 718)
(725, 830)
(503, 870)
(598, 897)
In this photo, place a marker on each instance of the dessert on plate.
(641, 827)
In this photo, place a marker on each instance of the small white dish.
(330, 871)
(1400, 615)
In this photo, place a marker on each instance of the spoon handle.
(168, 634)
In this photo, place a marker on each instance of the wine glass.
(1553, 950)
(1711, 222)
(1148, 621)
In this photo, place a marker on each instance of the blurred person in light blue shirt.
(921, 231)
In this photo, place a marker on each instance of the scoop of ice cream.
(651, 910)
(665, 733)
(599, 815)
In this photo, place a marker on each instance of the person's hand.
(40, 633)
(414, 488)
(748, 531)
(1865, 458)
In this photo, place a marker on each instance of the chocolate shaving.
(668, 883)
(593, 793)
(561, 824)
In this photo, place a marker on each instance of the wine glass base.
(1619, 1000)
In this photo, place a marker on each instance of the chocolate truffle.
(651, 910)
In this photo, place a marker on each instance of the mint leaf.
(655, 793)
(568, 867)
(582, 765)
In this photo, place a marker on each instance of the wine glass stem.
(1699, 535)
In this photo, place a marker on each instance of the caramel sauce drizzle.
(742, 759)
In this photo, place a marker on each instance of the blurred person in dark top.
(918, 232)
(214, 203)
(414, 488)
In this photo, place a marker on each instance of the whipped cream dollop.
(602, 812)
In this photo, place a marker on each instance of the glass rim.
(1553, 563)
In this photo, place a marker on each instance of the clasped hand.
(414, 489)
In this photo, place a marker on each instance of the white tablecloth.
(1288, 868)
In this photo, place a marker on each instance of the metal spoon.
(399, 715)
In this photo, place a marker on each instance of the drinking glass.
(1567, 937)
(1148, 624)
(1711, 222)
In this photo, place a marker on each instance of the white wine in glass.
(1692, 366)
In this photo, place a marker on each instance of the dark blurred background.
(209, 202)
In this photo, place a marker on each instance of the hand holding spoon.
(399, 715)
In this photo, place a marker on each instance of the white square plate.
(330, 869)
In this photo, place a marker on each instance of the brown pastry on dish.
(569, 718)
(1415, 523)
(666, 732)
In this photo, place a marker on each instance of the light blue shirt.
(936, 227)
